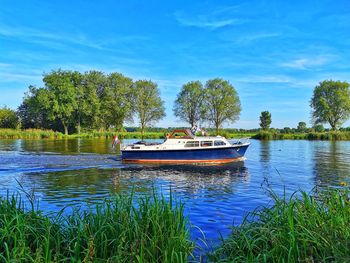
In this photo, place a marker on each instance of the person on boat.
(115, 141)
(194, 130)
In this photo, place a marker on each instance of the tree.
(87, 107)
(8, 118)
(265, 120)
(189, 103)
(147, 103)
(116, 106)
(222, 103)
(331, 103)
(319, 128)
(62, 97)
(32, 112)
(301, 127)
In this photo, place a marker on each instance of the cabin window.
(192, 144)
(218, 143)
(206, 143)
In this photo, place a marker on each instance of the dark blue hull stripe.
(193, 154)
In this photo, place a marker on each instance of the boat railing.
(239, 141)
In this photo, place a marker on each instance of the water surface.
(65, 173)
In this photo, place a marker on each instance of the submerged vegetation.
(301, 229)
(119, 230)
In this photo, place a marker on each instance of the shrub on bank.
(119, 230)
(301, 229)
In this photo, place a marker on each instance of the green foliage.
(60, 101)
(331, 103)
(29, 134)
(189, 103)
(147, 103)
(301, 127)
(119, 230)
(265, 120)
(301, 229)
(116, 101)
(222, 103)
(8, 118)
(319, 128)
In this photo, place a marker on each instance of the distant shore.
(260, 135)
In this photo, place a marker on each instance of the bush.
(8, 118)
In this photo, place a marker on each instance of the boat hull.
(206, 155)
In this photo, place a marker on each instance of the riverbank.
(119, 230)
(302, 228)
(330, 136)
(261, 135)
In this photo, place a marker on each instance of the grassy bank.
(262, 135)
(304, 229)
(29, 134)
(333, 136)
(152, 230)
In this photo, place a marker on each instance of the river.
(60, 174)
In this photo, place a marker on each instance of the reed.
(122, 229)
(29, 134)
(331, 136)
(300, 229)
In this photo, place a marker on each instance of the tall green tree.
(221, 102)
(62, 97)
(8, 118)
(265, 120)
(331, 103)
(147, 103)
(87, 106)
(32, 111)
(189, 103)
(301, 126)
(95, 83)
(116, 106)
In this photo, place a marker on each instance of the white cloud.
(256, 36)
(206, 21)
(307, 62)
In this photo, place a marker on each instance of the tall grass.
(271, 135)
(301, 229)
(29, 134)
(119, 230)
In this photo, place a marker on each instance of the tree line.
(70, 101)
(330, 103)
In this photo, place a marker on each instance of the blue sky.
(273, 52)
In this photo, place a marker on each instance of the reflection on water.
(73, 172)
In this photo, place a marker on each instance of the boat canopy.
(181, 134)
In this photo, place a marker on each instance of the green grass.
(29, 134)
(119, 230)
(269, 135)
(301, 229)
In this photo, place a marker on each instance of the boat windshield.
(218, 143)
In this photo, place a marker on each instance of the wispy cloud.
(257, 36)
(57, 39)
(307, 62)
(205, 21)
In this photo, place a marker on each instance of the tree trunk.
(217, 129)
(78, 127)
(65, 126)
(142, 132)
